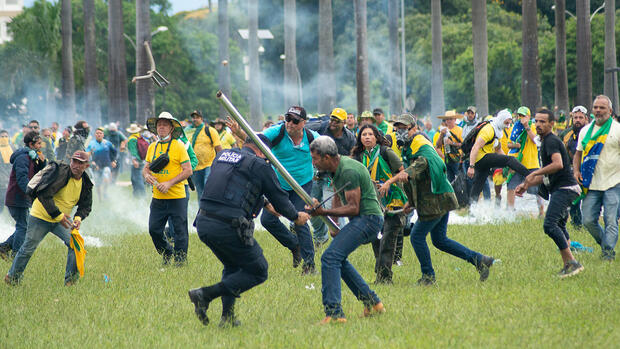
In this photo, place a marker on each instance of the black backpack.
(280, 136)
(42, 180)
(470, 139)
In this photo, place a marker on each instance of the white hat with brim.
(450, 114)
(134, 128)
(151, 124)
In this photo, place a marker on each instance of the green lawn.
(145, 304)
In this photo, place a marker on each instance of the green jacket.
(418, 189)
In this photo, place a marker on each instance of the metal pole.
(403, 65)
(234, 113)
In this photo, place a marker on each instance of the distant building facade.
(8, 10)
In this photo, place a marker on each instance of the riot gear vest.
(233, 182)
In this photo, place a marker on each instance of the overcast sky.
(177, 5)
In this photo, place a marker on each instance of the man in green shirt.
(359, 202)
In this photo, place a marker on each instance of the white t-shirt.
(607, 171)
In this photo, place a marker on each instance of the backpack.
(470, 139)
(280, 136)
(143, 147)
(42, 180)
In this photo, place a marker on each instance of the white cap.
(581, 109)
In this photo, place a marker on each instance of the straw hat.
(450, 114)
(177, 130)
(134, 128)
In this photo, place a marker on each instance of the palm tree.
(584, 55)
(145, 101)
(530, 77)
(222, 34)
(438, 106)
(255, 93)
(327, 85)
(362, 79)
(91, 84)
(481, 49)
(118, 104)
(394, 78)
(291, 92)
(611, 78)
(68, 80)
(561, 77)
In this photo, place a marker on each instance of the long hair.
(358, 149)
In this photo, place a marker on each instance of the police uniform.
(232, 197)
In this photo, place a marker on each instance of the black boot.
(201, 304)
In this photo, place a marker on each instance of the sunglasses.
(289, 118)
(335, 120)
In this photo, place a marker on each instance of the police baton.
(330, 197)
(234, 113)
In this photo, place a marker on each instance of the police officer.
(232, 197)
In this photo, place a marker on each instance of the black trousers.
(176, 211)
(385, 249)
(483, 168)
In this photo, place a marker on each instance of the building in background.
(8, 10)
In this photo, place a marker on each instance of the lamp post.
(299, 85)
(591, 16)
(156, 31)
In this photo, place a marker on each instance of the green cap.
(524, 111)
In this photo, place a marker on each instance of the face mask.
(165, 139)
(401, 137)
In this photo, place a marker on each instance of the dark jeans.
(334, 264)
(484, 166)
(169, 233)
(557, 215)
(244, 266)
(575, 214)
(438, 229)
(469, 183)
(385, 249)
(20, 215)
(137, 181)
(303, 239)
(452, 169)
(176, 210)
(200, 179)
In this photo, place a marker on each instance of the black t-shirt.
(552, 144)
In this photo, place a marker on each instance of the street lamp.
(591, 17)
(299, 86)
(156, 31)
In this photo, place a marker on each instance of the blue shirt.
(296, 159)
(103, 152)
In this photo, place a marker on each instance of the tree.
(438, 106)
(362, 79)
(611, 78)
(561, 77)
(481, 49)
(255, 95)
(530, 76)
(327, 82)
(291, 80)
(584, 55)
(68, 79)
(223, 37)
(394, 77)
(145, 101)
(91, 83)
(118, 100)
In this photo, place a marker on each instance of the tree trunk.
(394, 78)
(145, 100)
(68, 80)
(362, 79)
(91, 83)
(118, 103)
(223, 37)
(584, 55)
(327, 83)
(291, 80)
(481, 50)
(611, 79)
(438, 106)
(255, 94)
(530, 77)
(561, 77)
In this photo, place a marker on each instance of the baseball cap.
(297, 111)
(524, 111)
(405, 119)
(581, 109)
(197, 113)
(339, 114)
(81, 156)
(472, 108)
(377, 111)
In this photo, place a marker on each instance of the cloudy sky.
(177, 5)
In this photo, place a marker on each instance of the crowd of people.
(368, 174)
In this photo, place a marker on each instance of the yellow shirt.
(530, 152)
(204, 148)
(65, 200)
(178, 155)
(504, 140)
(458, 131)
(488, 134)
(395, 148)
(227, 140)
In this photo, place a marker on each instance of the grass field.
(145, 304)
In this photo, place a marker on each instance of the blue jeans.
(137, 181)
(37, 229)
(20, 215)
(452, 168)
(334, 264)
(438, 229)
(200, 179)
(303, 239)
(557, 216)
(591, 210)
(320, 229)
